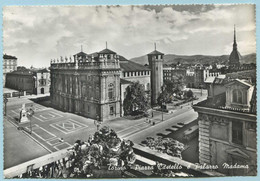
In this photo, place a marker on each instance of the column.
(204, 144)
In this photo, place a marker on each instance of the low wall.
(187, 167)
(146, 152)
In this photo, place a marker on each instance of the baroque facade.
(88, 85)
(94, 85)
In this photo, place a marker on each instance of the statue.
(23, 115)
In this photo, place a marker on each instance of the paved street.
(18, 147)
(50, 125)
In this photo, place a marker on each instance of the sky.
(37, 34)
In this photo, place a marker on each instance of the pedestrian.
(150, 121)
(152, 114)
(153, 123)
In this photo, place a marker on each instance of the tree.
(136, 99)
(175, 85)
(164, 96)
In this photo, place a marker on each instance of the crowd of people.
(100, 151)
(165, 145)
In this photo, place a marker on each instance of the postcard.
(129, 91)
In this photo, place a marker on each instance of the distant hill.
(195, 59)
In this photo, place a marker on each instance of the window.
(237, 96)
(148, 86)
(111, 110)
(111, 91)
(42, 82)
(97, 92)
(237, 132)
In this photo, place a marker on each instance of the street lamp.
(162, 109)
(5, 101)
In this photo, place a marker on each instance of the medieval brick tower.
(155, 60)
(235, 57)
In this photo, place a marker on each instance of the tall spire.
(81, 48)
(154, 46)
(106, 44)
(235, 41)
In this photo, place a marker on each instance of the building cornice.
(225, 113)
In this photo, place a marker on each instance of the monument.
(23, 115)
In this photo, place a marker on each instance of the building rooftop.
(124, 81)
(81, 54)
(209, 80)
(155, 52)
(9, 57)
(132, 67)
(25, 71)
(106, 51)
(219, 101)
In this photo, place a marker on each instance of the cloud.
(37, 34)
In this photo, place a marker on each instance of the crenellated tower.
(155, 59)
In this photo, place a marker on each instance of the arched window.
(237, 96)
(111, 91)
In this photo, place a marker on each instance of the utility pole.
(162, 110)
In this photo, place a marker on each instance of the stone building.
(227, 126)
(170, 73)
(133, 72)
(155, 60)
(9, 65)
(201, 74)
(33, 81)
(88, 85)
